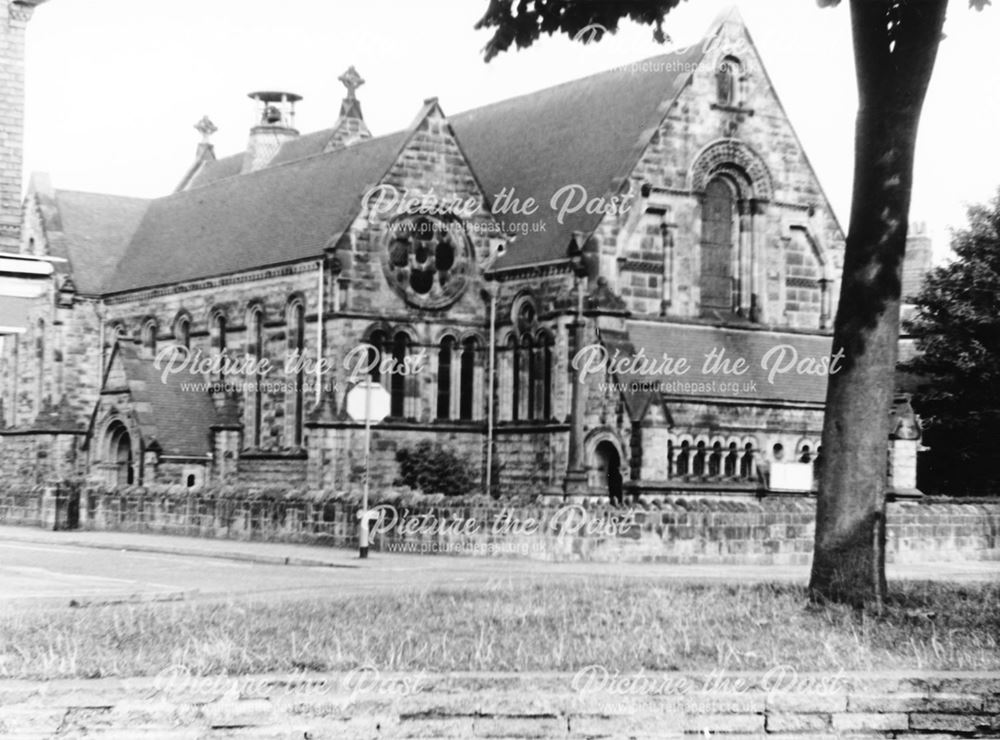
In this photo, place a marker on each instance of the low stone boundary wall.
(710, 530)
(366, 704)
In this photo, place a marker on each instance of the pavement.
(42, 567)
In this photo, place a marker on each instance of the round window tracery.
(427, 259)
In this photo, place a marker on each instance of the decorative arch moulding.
(736, 159)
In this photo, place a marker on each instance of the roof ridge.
(271, 168)
(611, 70)
(103, 195)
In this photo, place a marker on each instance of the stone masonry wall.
(704, 530)
(13, 20)
(368, 704)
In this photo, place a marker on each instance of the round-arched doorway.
(120, 454)
(608, 463)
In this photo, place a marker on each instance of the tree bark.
(895, 47)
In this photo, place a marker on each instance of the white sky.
(115, 86)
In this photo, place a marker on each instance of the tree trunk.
(895, 48)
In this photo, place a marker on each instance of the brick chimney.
(275, 126)
(14, 16)
(350, 126)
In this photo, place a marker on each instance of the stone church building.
(527, 280)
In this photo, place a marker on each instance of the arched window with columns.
(717, 247)
(467, 382)
(543, 375)
(149, 330)
(182, 330)
(727, 81)
(39, 366)
(528, 370)
(297, 346)
(378, 341)
(255, 349)
(446, 351)
(398, 381)
(514, 356)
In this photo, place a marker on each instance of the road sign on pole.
(369, 402)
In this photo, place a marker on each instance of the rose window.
(427, 260)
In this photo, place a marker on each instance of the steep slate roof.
(695, 341)
(587, 132)
(217, 170)
(95, 231)
(277, 214)
(178, 418)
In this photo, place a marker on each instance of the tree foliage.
(432, 468)
(895, 48)
(520, 23)
(957, 328)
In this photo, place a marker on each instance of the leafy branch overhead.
(522, 22)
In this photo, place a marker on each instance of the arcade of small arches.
(705, 458)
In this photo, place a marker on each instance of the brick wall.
(368, 704)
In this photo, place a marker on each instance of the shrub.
(432, 468)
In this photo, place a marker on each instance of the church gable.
(424, 231)
(727, 219)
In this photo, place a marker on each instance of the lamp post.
(575, 483)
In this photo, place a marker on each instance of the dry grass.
(543, 626)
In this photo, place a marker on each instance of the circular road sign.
(378, 403)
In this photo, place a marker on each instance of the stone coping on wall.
(591, 703)
(698, 530)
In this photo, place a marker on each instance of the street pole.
(490, 390)
(320, 304)
(576, 483)
(363, 534)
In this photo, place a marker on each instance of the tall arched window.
(732, 461)
(397, 382)
(219, 333)
(255, 348)
(715, 460)
(217, 330)
(445, 353)
(529, 370)
(699, 459)
(515, 378)
(684, 459)
(120, 454)
(727, 78)
(467, 380)
(717, 247)
(746, 462)
(149, 337)
(182, 331)
(40, 365)
(297, 345)
(378, 342)
(543, 384)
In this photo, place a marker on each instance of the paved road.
(39, 567)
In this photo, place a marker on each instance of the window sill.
(733, 109)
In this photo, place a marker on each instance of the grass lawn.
(543, 626)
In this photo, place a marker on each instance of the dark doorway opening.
(609, 464)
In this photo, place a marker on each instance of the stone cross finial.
(206, 128)
(352, 81)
